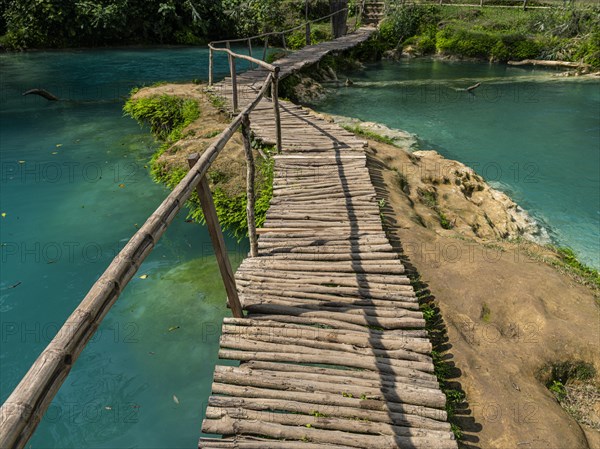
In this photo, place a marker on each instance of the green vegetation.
(231, 210)
(59, 23)
(497, 34)
(368, 134)
(443, 369)
(167, 117)
(430, 199)
(558, 376)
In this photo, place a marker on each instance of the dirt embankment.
(229, 169)
(509, 316)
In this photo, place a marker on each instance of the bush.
(405, 21)
(463, 42)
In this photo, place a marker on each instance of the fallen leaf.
(55, 152)
(144, 276)
(108, 407)
(175, 400)
(21, 162)
(173, 328)
(121, 186)
(58, 145)
(3, 214)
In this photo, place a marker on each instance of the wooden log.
(415, 348)
(262, 443)
(249, 302)
(216, 236)
(311, 295)
(258, 344)
(265, 65)
(249, 186)
(337, 360)
(417, 397)
(356, 377)
(324, 422)
(210, 66)
(372, 282)
(299, 406)
(567, 64)
(226, 426)
(366, 350)
(275, 99)
(234, 91)
(374, 335)
(327, 399)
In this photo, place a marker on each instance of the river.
(75, 187)
(532, 135)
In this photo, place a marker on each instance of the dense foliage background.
(62, 23)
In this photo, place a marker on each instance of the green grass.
(568, 261)
(368, 134)
(498, 34)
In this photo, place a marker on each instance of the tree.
(339, 21)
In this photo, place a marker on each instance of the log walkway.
(333, 349)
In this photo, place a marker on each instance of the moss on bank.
(187, 125)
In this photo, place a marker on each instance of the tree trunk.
(338, 21)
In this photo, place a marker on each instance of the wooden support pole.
(210, 66)
(233, 73)
(308, 33)
(250, 175)
(216, 236)
(266, 47)
(275, 98)
(250, 49)
(234, 90)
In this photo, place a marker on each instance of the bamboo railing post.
(250, 50)
(275, 98)
(234, 90)
(216, 236)
(210, 66)
(266, 47)
(233, 75)
(250, 175)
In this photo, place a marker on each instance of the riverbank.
(518, 336)
(494, 34)
(163, 107)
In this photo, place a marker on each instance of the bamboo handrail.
(260, 62)
(277, 33)
(25, 407)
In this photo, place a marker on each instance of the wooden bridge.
(333, 348)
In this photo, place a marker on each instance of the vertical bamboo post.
(216, 236)
(233, 74)
(266, 47)
(210, 67)
(250, 51)
(308, 33)
(250, 175)
(275, 99)
(234, 85)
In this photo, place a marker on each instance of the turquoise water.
(535, 137)
(74, 188)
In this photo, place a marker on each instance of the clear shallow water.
(537, 141)
(74, 186)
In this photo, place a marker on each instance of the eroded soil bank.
(508, 313)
